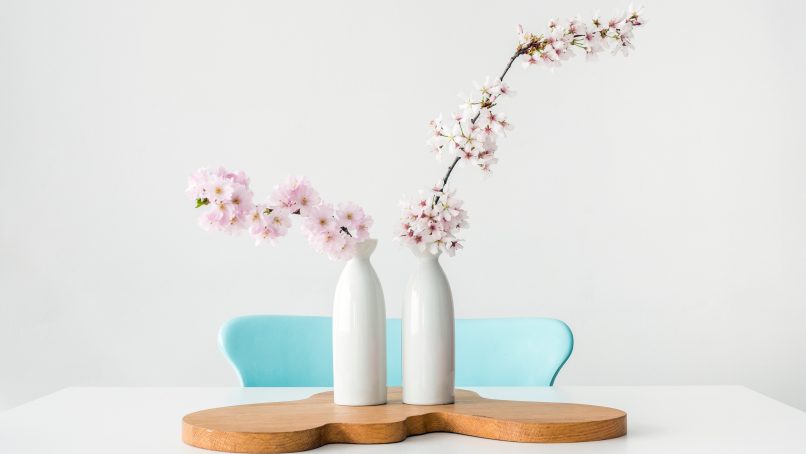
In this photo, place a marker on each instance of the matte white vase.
(359, 333)
(428, 335)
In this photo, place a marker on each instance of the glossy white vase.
(359, 333)
(428, 335)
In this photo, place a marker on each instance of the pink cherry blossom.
(328, 241)
(219, 189)
(502, 89)
(210, 220)
(256, 218)
(319, 219)
(241, 198)
(265, 234)
(238, 177)
(350, 215)
(295, 194)
(197, 184)
(362, 229)
(344, 249)
(279, 220)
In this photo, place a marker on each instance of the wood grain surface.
(310, 423)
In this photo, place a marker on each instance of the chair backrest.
(272, 350)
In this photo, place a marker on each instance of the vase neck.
(365, 248)
(425, 256)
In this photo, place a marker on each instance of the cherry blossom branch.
(535, 45)
(433, 222)
(230, 208)
(531, 44)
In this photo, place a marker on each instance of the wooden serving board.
(310, 423)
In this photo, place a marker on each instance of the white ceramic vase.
(428, 335)
(359, 333)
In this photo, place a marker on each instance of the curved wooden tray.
(310, 423)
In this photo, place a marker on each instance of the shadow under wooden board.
(306, 424)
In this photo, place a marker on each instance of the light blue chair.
(280, 350)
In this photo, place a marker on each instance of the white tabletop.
(661, 419)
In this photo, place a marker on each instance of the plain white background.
(654, 203)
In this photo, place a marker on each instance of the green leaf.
(201, 202)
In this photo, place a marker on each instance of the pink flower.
(279, 220)
(343, 250)
(486, 89)
(454, 245)
(306, 198)
(320, 218)
(241, 198)
(469, 107)
(267, 224)
(615, 22)
(531, 59)
(523, 37)
(467, 155)
(362, 229)
(500, 88)
(265, 234)
(576, 27)
(349, 215)
(296, 194)
(471, 136)
(210, 220)
(218, 217)
(635, 17)
(438, 139)
(256, 218)
(592, 43)
(219, 189)
(452, 138)
(238, 177)
(197, 184)
(328, 241)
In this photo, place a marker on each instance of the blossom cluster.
(472, 136)
(432, 222)
(331, 231)
(228, 196)
(592, 37)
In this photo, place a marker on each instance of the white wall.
(654, 203)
